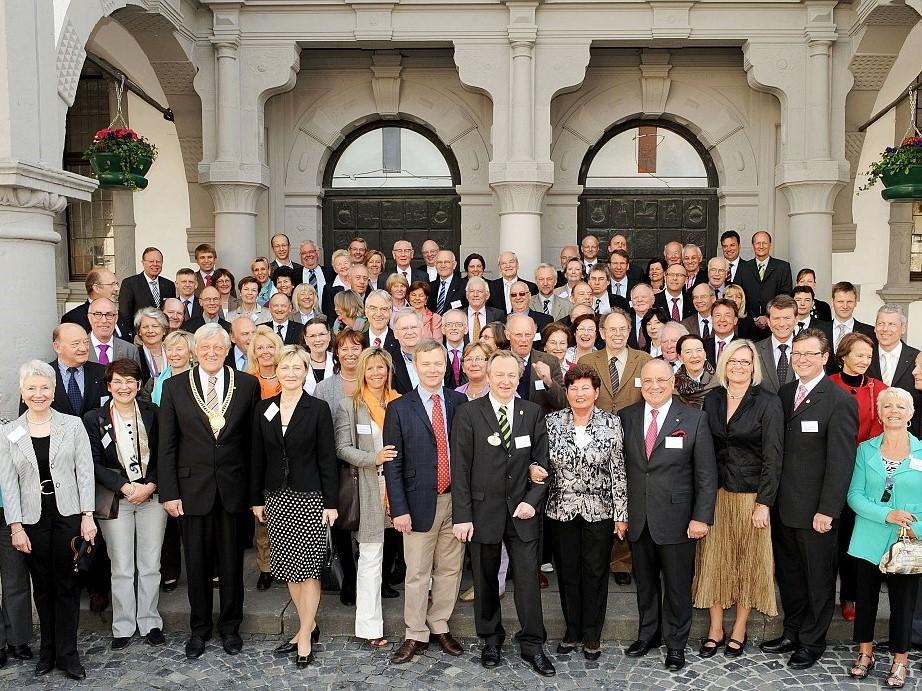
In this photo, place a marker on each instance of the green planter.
(110, 171)
(903, 185)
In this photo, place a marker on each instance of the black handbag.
(348, 511)
(106, 503)
(82, 552)
(331, 570)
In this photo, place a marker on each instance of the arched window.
(391, 157)
(647, 157)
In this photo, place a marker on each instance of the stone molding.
(30, 180)
(235, 197)
(69, 62)
(386, 68)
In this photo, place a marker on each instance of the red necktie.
(675, 310)
(456, 365)
(652, 432)
(377, 341)
(208, 280)
(443, 471)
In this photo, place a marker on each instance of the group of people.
(704, 432)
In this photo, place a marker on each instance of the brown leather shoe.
(406, 650)
(447, 643)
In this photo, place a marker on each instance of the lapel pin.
(493, 440)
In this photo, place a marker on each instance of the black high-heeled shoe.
(315, 634)
(287, 648)
(303, 661)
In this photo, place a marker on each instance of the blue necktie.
(73, 391)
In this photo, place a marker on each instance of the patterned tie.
(675, 310)
(73, 391)
(155, 292)
(641, 339)
(618, 289)
(546, 309)
(208, 280)
(652, 431)
(312, 279)
(456, 366)
(761, 272)
(613, 369)
(505, 432)
(103, 354)
(801, 395)
(185, 307)
(598, 304)
(278, 328)
(730, 274)
(705, 329)
(440, 303)
(377, 341)
(443, 470)
(477, 326)
(211, 399)
(782, 368)
(840, 333)
(720, 348)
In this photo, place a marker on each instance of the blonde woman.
(305, 304)
(359, 423)
(259, 268)
(341, 263)
(398, 287)
(745, 326)
(350, 312)
(375, 262)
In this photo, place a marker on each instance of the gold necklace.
(268, 378)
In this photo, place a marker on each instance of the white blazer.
(310, 383)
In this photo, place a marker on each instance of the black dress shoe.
(622, 578)
(347, 597)
(541, 664)
(709, 646)
(779, 645)
(120, 642)
(20, 652)
(232, 643)
(315, 634)
(803, 659)
(75, 671)
(303, 661)
(641, 648)
(195, 646)
(489, 656)
(169, 587)
(397, 575)
(675, 659)
(3, 658)
(387, 592)
(286, 648)
(264, 582)
(43, 667)
(155, 637)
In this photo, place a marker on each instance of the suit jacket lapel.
(25, 441)
(486, 409)
(903, 364)
(57, 432)
(814, 397)
(419, 409)
(668, 425)
(601, 368)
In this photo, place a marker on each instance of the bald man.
(508, 265)
(104, 346)
(100, 283)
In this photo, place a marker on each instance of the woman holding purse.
(886, 496)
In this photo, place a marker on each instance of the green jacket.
(873, 536)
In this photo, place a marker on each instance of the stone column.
(522, 132)
(818, 112)
(228, 87)
(520, 220)
(899, 289)
(235, 223)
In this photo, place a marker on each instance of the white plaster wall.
(161, 211)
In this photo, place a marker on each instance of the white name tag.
(539, 385)
(102, 400)
(673, 442)
(456, 304)
(16, 434)
(636, 382)
(537, 337)
(915, 463)
(809, 426)
(106, 440)
(271, 412)
(363, 429)
(522, 442)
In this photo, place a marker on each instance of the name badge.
(106, 440)
(16, 434)
(455, 304)
(915, 463)
(363, 429)
(809, 426)
(522, 442)
(636, 382)
(271, 412)
(103, 400)
(537, 337)
(673, 442)
(539, 385)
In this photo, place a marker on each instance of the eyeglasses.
(475, 360)
(739, 363)
(103, 315)
(796, 355)
(453, 325)
(113, 284)
(519, 295)
(662, 381)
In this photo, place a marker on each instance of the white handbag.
(904, 556)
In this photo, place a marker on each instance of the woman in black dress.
(295, 488)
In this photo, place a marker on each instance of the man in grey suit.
(775, 352)
(546, 302)
(494, 440)
(104, 346)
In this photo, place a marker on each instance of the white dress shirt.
(603, 306)
(275, 328)
(614, 285)
(110, 343)
(432, 272)
(810, 385)
(411, 368)
(892, 358)
(218, 387)
(660, 419)
(836, 329)
(805, 321)
(372, 336)
(680, 304)
(470, 320)
(509, 409)
(777, 353)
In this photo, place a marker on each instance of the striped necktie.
(505, 432)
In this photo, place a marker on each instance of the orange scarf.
(376, 411)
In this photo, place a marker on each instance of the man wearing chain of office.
(206, 416)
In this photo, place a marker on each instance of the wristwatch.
(87, 514)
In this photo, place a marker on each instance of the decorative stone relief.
(520, 197)
(373, 23)
(71, 55)
(235, 197)
(870, 70)
(175, 77)
(854, 141)
(893, 15)
(655, 83)
(671, 19)
(385, 83)
(26, 198)
(191, 148)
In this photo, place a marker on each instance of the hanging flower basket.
(903, 185)
(120, 158)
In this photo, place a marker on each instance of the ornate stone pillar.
(899, 288)
(228, 86)
(818, 112)
(235, 223)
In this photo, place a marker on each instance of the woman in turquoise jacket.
(886, 495)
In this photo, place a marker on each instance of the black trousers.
(342, 539)
(848, 565)
(805, 567)
(523, 562)
(212, 541)
(664, 606)
(171, 552)
(581, 554)
(902, 591)
(55, 586)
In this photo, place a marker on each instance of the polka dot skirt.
(297, 539)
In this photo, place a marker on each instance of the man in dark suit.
(446, 292)
(282, 324)
(494, 440)
(844, 302)
(100, 283)
(148, 288)
(775, 352)
(700, 324)
(312, 272)
(509, 273)
(675, 299)
(821, 423)
(281, 248)
(210, 301)
(206, 256)
(403, 256)
(520, 299)
(691, 261)
(619, 278)
(454, 328)
(821, 310)
(589, 248)
(804, 319)
(241, 333)
(186, 293)
(893, 359)
(636, 272)
(203, 477)
(477, 292)
(642, 300)
(602, 300)
(541, 381)
(418, 478)
(408, 328)
(670, 464)
(723, 325)
(79, 384)
(762, 278)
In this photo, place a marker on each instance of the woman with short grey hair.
(151, 325)
(46, 475)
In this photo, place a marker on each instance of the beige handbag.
(904, 556)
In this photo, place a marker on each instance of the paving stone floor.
(343, 663)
